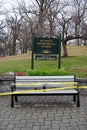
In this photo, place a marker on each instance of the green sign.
(46, 46)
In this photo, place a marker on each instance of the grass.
(15, 66)
(77, 50)
(75, 64)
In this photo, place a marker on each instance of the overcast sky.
(9, 3)
(6, 6)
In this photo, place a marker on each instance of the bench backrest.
(45, 78)
(22, 82)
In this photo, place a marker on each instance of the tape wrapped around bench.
(44, 85)
(72, 91)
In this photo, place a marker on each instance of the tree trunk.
(84, 42)
(40, 23)
(51, 28)
(65, 54)
(14, 47)
(78, 43)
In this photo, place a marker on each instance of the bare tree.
(43, 6)
(46, 18)
(2, 30)
(80, 8)
(14, 23)
(64, 23)
(71, 22)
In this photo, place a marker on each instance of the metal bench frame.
(37, 79)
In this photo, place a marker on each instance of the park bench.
(44, 85)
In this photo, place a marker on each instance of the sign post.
(32, 60)
(46, 46)
(59, 61)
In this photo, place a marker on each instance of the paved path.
(43, 113)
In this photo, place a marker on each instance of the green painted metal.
(45, 46)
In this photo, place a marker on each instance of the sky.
(6, 6)
(9, 3)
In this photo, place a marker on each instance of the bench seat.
(71, 91)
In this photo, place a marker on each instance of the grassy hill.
(76, 63)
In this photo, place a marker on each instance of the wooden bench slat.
(45, 78)
(72, 91)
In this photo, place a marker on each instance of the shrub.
(59, 72)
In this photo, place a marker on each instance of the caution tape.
(44, 83)
(82, 87)
(38, 91)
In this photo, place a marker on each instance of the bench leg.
(12, 101)
(16, 98)
(78, 101)
(74, 98)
